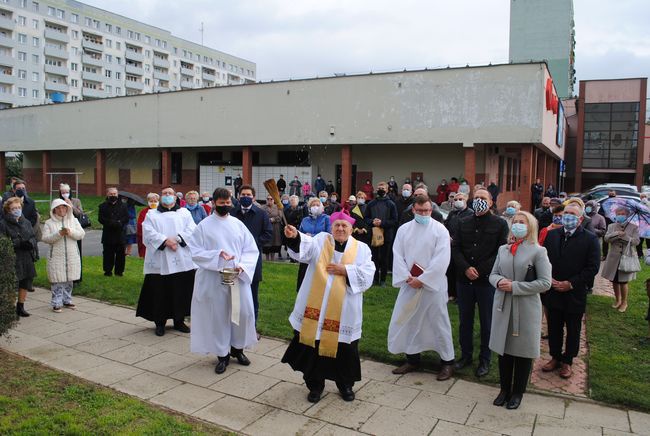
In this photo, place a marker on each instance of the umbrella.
(639, 213)
(135, 197)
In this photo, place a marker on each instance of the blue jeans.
(468, 295)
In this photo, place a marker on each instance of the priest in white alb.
(169, 271)
(223, 319)
(420, 321)
(327, 315)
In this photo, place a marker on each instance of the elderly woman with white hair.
(152, 203)
(512, 207)
(65, 194)
(622, 237)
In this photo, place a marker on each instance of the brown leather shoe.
(551, 365)
(445, 372)
(406, 368)
(565, 371)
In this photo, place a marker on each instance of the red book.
(416, 270)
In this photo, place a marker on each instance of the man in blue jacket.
(575, 256)
(258, 223)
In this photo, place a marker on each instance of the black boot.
(20, 310)
(160, 329)
(222, 364)
(181, 326)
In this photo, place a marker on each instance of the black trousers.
(517, 367)
(114, 256)
(255, 288)
(468, 297)
(380, 257)
(639, 248)
(557, 320)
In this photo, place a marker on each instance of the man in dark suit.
(575, 256)
(258, 223)
(19, 189)
(474, 249)
(114, 216)
(282, 184)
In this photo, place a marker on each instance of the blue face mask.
(510, 211)
(168, 199)
(421, 219)
(17, 212)
(519, 230)
(323, 199)
(557, 219)
(570, 222)
(621, 219)
(406, 193)
(245, 201)
(285, 202)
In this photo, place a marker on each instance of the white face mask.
(459, 204)
(316, 210)
(205, 199)
(65, 195)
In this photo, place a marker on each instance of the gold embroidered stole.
(329, 336)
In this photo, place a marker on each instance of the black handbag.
(84, 221)
(531, 274)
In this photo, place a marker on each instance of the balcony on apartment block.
(7, 41)
(56, 35)
(187, 71)
(93, 93)
(161, 76)
(90, 60)
(160, 88)
(7, 23)
(56, 52)
(8, 79)
(208, 76)
(131, 84)
(132, 69)
(162, 63)
(58, 70)
(93, 77)
(51, 85)
(187, 84)
(134, 56)
(96, 46)
(7, 60)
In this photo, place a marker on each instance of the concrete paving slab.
(594, 414)
(92, 323)
(446, 428)
(244, 384)
(109, 373)
(259, 362)
(277, 353)
(336, 411)
(286, 396)
(233, 413)
(77, 362)
(387, 394)
(264, 345)
(74, 337)
(177, 344)
(101, 345)
(640, 422)
(132, 354)
(281, 423)
(425, 381)
(282, 371)
(187, 398)
(335, 430)
(146, 385)
(202, 373)
(48, 352)
(547, 426)
(388, 421)
(147, 337)
(442, 406)
(378, 371)
(543, 405)
(120, 330)
(475, 391)
(501, 420)
(18, 342)
(117, 313)
(43, 327)
(166, 363)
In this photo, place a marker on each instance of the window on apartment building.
(118, 75)
(35, 41)
(22, 38)
(147, 39)
(35, 59)
(118, 30)
(108, 58)
(34, 24)
(35, 76)
(88, 21)
(118, 90)
(34, 93)
(35, 6)
(74, 18)
(74, 66)
(147, 82)
(74, 83)
(109, 43)
(60, 14)
(118, 60)
(109, 27)
(22, 92)
(108, 89)
(157, 42)
(23, 3)
(198, 82)
(22, 74)
(75, 51)
(74, 98)
(147, 53)
(164, 44)
(22, 20)
(50, 11)
(611, 135)
(129, 34)
(22, 56)
(118, 45)
(75, 34)
(147, 67)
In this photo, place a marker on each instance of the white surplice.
(420, 320)
(156, 228)
(360, 276)
(212, 329)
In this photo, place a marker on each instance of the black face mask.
(222, 210)
(20, 193)
(111, 199)
(381, 192)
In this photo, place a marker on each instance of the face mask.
(381, 192)
(459, 204)
(112, 199)
(588, 210)
(168, 199)
(333, 199)
(510, 211)
(545, 208)
(406, 193)
(557, 219)
(246, 201)
(65, 195)
(621, 219)
(222, 210)
(17, 212)
(153, 205)
(361, 201)
(315, 210)
(421, 219)
(285, 202)
(519, 230)
(569, 222)
(205, 199)
(20, 193)
(322, 199)
(480, 206)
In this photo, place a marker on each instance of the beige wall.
(612, 91)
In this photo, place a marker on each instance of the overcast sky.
(308, 38)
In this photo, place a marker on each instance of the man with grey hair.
(575, 257)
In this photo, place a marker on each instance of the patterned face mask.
(480, 206)
(569, 222)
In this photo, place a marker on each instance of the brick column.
(470, 164)
(166, 167)
(3, 170)
(46, 165)
(247, 165)
(527, 174)
(346, 172)
(638, 179)
(100, 172)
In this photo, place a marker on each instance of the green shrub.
(7, 285)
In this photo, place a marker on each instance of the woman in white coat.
(61, 232)
(520, 273)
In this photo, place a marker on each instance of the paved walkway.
(108, 345)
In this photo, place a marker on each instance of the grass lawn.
(619, 368)
(38, 400)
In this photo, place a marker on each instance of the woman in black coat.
(23, 239)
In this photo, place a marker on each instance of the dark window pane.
(597, 107)
(597, 116)
(624, 125)
(627, 107)
(210, 157)
(177, 168)
(624, 116)
(591, 126)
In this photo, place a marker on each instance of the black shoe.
(160, 329)
(463, 362)
(501, 399)
(514, 401)
(20, 310)
(108, 274)
(483, 368)
(347, 393)
(314, 396)
(181, 327)
(221, 365)
(30, 290)
(240, 356)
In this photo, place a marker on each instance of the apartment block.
(64, 50)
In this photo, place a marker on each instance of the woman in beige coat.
(622, 237)
(520, 273)
(61, 232)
